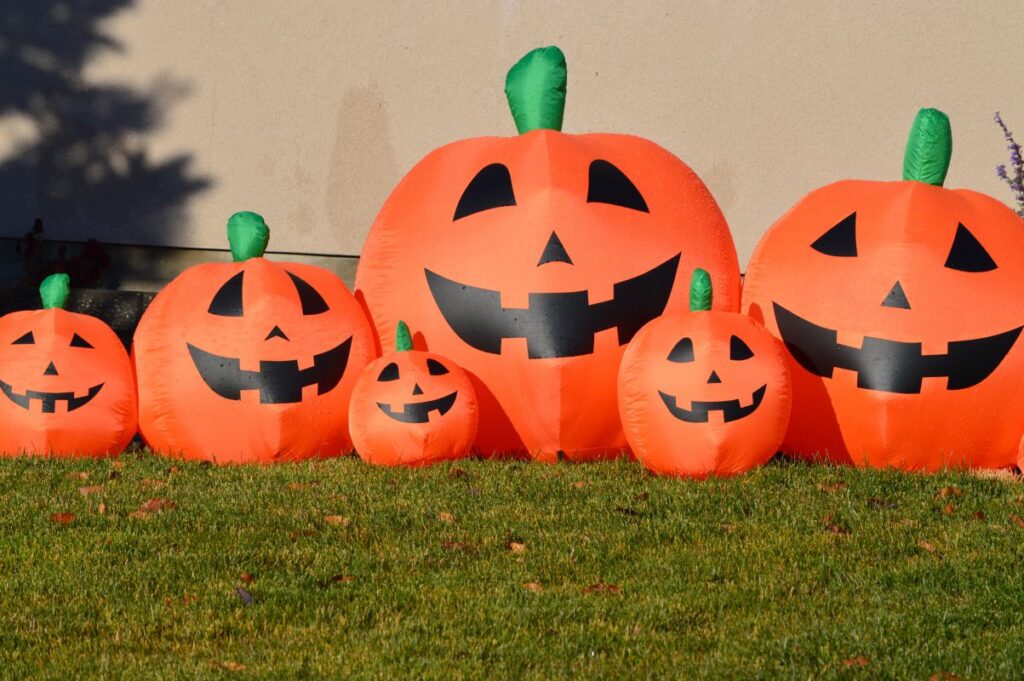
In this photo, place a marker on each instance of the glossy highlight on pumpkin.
(251, 361)
(910, 342)
(66, 384)
(532, 261)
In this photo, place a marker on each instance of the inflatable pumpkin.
(533, 260)
(901, 304)
(250, 361)
(412, 408)
(704, 392)
(66, 380)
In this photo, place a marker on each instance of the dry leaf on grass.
(943, 676)
(445, 517)
(246, 577)
(456, 546)
(102, 508)
(86, 491)
(244, 596)
(62, 518)
(832, 486)
(229, 665)
(533, 586)
(930, 548)
(948, 509)
(337, 520)
(515, 546)
(157, 504)
(78, 475)
(979, 515)
(579, 484)
(296, 486)
(949, 491)
(456, 473)
(298, 534)
(601, 588)
(859, 661)
(1017, 520)
(832, 527)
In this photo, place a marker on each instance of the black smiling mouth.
(891, 366)
(419, 412)
(49, 400)
(279, 382)
(554, 324)
(698, 411)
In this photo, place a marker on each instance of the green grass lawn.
(505, 569)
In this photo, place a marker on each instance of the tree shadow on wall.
(82, 164)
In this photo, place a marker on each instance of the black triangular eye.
(228, 301)
(312, 302)
(436, 368)
(967, 253)
(491, 188)
(841, 240)
(389, 373)
(79, 342)
(738, 349)
(27, 339)
(608, 184)
(682, 352)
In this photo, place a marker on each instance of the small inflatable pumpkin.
(704, 392)
(250, 361)
(412, 408)
(901, 305)
(533, 260)
(66, 380)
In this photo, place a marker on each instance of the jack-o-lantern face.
(900, 304)
(704, 392)
(532, 261)
(252, 361)
(66, 381)
(412, 408)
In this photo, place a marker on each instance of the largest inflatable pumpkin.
(252, 360)
(901, 304)
(532, 260)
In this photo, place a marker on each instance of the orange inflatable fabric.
(704, 392)
(901, 305)
(66, 379)
(251, 361)
(411, 408)
(531, 261)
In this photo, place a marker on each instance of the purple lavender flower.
(1015, 176)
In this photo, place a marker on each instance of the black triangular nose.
(51, 370)
(554, 251)
(713, 378)
(276, 332)
(896, 298)
(416, 390)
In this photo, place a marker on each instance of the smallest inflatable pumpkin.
(703, 392)
(66, 381)
(411, 408)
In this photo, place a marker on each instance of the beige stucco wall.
(309, 111)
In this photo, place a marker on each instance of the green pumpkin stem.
(929, 148)
(54, 291)
(700, 291)
(403, 339)
(535, 88)
(248, 235)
